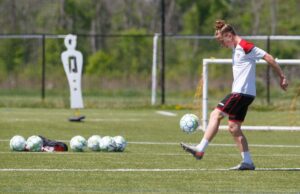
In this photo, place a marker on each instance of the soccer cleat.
(243, 166)
(192, 150)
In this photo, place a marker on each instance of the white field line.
(89, 120)
(24, 120)
(166, 113)
(134, 169)
(114, 120)
(212, 144)
(218, 145)
(265, 128)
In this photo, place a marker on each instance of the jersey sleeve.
(247, 46)
(256, 53)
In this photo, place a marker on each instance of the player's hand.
(284, 83)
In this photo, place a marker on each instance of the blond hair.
(222, 28)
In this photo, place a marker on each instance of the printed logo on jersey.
(221, 104)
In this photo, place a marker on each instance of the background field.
(153, 161)
(116, 40)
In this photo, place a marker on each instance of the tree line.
(129, 57)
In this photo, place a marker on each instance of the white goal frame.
(206, 63)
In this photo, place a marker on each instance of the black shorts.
(236, 106)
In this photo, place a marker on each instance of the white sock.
(202, 145)
(246, 157)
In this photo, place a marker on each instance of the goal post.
(154, 70)
(205, 70)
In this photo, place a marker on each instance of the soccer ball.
(93, 143)
(78, 143)
(120, 143)
(189, 123)
(17, 143)
(34, 143)
(108, 144)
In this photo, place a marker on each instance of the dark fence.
(117, 68)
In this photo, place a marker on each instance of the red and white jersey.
(244, 56)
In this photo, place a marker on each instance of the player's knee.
(234, 128)
(216, 114)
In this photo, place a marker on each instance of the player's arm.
(271, 61)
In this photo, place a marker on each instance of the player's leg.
(213, 126)
(216, 116)
(241, 142)
(222, 110)
(234, 126)
(238, 136)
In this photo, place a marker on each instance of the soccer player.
(235, 104)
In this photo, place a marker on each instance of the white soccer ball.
(189, 123)
(93, 143)
(78, 143)
(17, 143)
(120, 143)
(34, 143)
(108, 144)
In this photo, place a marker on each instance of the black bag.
(53, 146)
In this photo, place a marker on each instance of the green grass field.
(153, 161)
